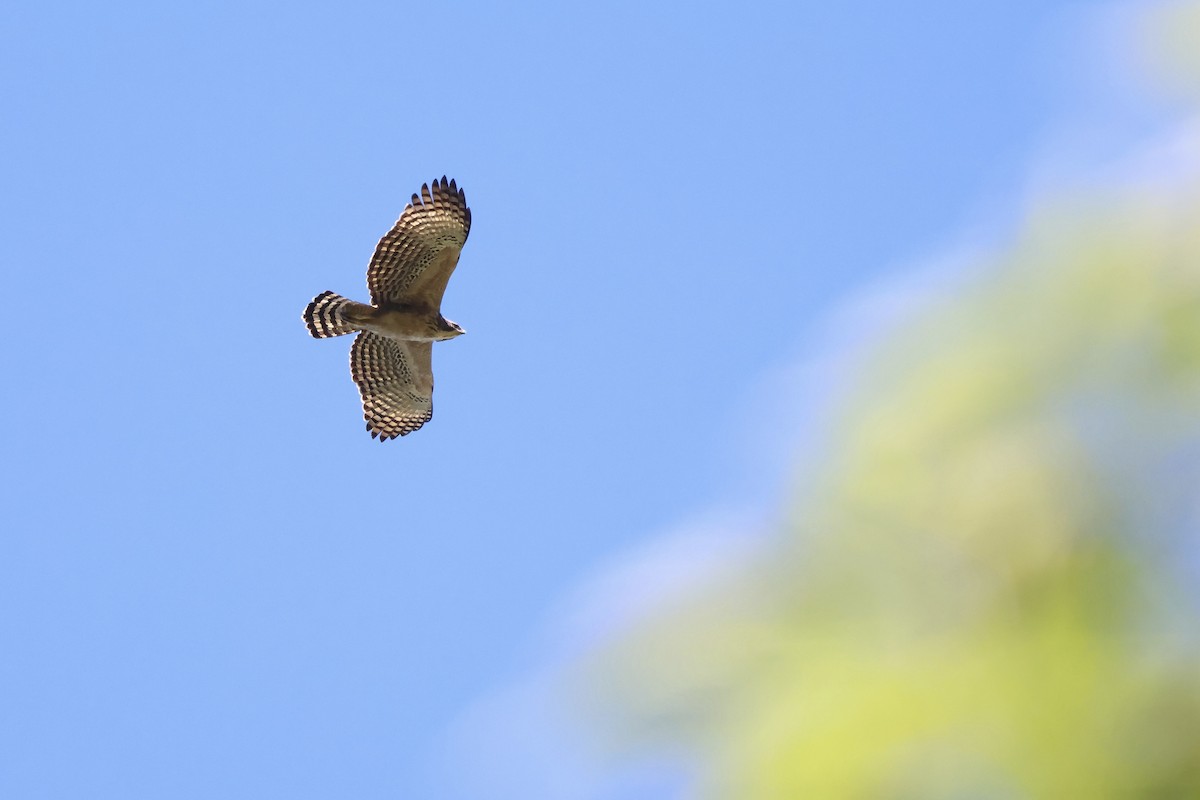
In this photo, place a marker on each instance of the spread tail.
(331, 314)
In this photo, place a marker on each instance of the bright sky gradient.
(213, 583)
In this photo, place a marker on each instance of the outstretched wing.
(395, 380)
(413, 261)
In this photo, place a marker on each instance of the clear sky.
(213, 583)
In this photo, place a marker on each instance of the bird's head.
(449, 329)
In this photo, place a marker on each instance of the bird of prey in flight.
(391, 358)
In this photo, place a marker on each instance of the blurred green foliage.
(985, 586)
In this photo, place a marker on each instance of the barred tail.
(330, 314)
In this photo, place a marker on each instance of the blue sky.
(213, 583)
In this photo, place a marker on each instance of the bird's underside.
(391, 358)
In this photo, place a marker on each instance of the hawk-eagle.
(390, 359)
